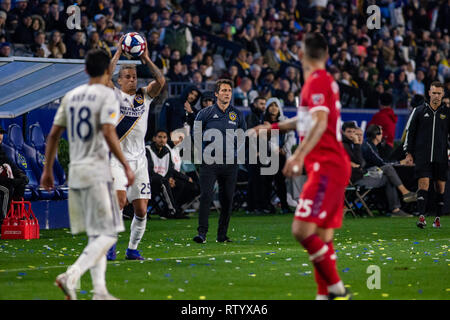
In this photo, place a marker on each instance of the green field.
(264, 262)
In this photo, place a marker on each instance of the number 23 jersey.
(321, 93)
(83, 111)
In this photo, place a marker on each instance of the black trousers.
(255, 183)
(185, 191)
(279, 182)
(226, 176)
(10, 189)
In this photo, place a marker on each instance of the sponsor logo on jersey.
(232, 115)
(318, 99)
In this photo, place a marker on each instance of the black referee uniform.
(427, 141)
(225, 174)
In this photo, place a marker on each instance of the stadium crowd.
(410, 51)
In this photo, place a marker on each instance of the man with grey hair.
(131, 129)
(272, 56)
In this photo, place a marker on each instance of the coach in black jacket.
(426, 143)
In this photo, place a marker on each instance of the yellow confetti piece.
(63, 249)
(348, 286)
(31, 267)
(381, 248)
(60, 255)
(289, 294)
(374, 233)
(356, 293)
(448, 289)
(202, 297)
(385, 295)
(2, 270)
(409, 285)
(244, 258)
(169, 297)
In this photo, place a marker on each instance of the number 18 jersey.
(83, 111)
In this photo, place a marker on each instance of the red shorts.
(321, 202)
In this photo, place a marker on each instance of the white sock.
(321, 297)
(137, 231)
(96, 249)
(337, 288)
(98, 276)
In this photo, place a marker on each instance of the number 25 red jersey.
(321, 93)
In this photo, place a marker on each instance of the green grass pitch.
(264, 262)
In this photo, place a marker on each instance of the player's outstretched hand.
(293, 166)
(47, 181)
(130, 175)
(119, 44)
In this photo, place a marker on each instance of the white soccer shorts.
(140, 189)
(95, 210)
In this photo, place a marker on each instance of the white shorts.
(95, 210)
(140, 189)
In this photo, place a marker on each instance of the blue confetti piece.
(83, 291)
(420, 291)
(192, 264)
(158, 259)
(436, 260)
(208, 264)
(167, 275)
(346, 270)
(416, 242)
(22, 274)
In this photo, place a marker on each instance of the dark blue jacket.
(214, 118)
(370, 154)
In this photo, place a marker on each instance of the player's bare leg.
(321, 254)
(122, 200)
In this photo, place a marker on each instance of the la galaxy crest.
(139, 99)
(232, 116)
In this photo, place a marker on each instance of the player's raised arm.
(114, 61)
(154, 87)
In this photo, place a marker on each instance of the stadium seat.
(25, 158)
(36, 140)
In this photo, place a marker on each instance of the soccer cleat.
(200, 238)
(225, 239)
(66, 284)
(346, 296)
(104, 296)
(421, 223)
(133, 255)
(111, 254)
(437, 222)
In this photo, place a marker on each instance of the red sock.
(322, 288)
(320, 254)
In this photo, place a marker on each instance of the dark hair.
(259, 98)
(221, 82)
(372, 131)
(386, 99)
(416, 100)
(160, 130)
(349, 124)
(437, 84)
(316, 46)
(97, 62)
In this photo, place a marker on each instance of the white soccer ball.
(134, 44)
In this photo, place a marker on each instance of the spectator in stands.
(243, 94)
(40, 48)
(5, 49)
(387, 120)
(416, 86)
(255, 74)
(76, 48)
(12, 180)
(96, 43)
(274, 56)
(163, 60)
(371, 177)
(400, 91)
(3, 17)
(38, 23)
(176, 72)
(241, 63)
(208, 99)
(55, 22)
(24, 32)
(233, 75)
(283, 90)
(274, 113)
(208, 62)
(178, 36)
(181, 110)
(5, 6)
(56, 45)
(21, 8)
(154, 46)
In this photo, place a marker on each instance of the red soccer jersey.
(321, 92)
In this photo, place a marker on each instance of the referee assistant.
(220, 116)
(426, 144)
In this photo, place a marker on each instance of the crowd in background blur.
(403, 57)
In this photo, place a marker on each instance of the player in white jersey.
(131, 129)
(89, 112)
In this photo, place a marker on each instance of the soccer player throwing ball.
(131, 129)
(320, 208)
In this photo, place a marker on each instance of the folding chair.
(355, 199)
